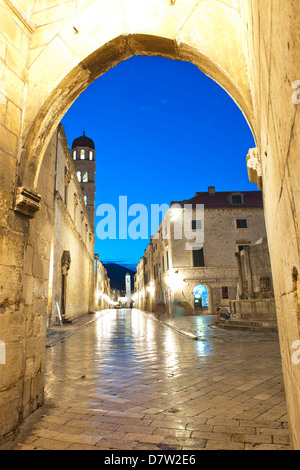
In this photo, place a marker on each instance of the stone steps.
(250, 325)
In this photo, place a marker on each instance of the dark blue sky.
(162, 132)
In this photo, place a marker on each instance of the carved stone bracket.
(254, 167)
(27, 202)
(67, 177)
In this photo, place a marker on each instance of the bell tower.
(83, 154)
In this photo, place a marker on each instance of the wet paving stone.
(126, 381)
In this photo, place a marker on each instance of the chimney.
(211, 190)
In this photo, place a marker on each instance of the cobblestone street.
(128, 381)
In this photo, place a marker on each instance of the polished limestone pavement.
(129, 380)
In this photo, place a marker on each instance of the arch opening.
(92, 67)
(200, 295)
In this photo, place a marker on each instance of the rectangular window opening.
(198, 258)
(241, 223)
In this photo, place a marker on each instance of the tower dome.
(83, 141)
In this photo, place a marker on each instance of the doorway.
(200, 296)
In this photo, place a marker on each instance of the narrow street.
(127, 381)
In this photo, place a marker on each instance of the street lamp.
(151, 289)
(174, 281)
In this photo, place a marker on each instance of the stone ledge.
(27, 202)
(266, 326)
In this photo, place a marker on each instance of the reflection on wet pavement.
(129, 381)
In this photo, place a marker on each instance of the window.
(198, 258)
(85, 199)
(91, 155)
(241, 247)
(225, 294)
(241, 223)
(74, 155)
(196, 224)
(167, 255)
(163, 263)
(85, 177)
(78, 173)
(82, 155)
(237, 199)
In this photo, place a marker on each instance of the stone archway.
(76, 81)
(49, 55)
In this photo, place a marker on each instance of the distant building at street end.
(202, 275)
(128, 289)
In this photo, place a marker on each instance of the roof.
(222, 200)
(83, 141)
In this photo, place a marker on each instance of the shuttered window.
(198, 258)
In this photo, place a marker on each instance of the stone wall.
(272, 42)
(72, 233)
(103, 293)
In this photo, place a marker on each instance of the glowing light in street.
(174, 281)
(151, 289)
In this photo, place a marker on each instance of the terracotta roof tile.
(222, 200)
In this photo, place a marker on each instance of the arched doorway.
(200, 295)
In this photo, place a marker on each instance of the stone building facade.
(103, 294)
(71, 276)
(204, 276)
